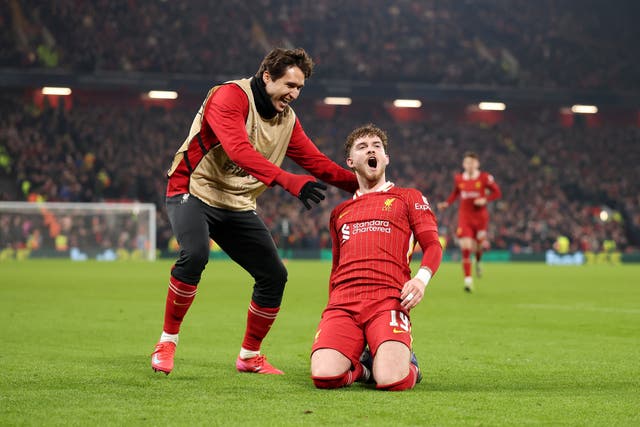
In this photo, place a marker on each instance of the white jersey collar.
(383, 188)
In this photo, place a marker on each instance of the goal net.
(80, 231)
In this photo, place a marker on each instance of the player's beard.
(373, 172)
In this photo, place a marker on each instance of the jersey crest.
(388, 203)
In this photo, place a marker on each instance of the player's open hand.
(412, 293)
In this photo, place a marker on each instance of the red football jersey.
(469, 189)
(373, 237)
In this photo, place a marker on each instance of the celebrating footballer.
(371, 291)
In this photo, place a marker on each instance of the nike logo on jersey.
(399, 331)
(343, 214)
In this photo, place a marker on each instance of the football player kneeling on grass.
(371, 291)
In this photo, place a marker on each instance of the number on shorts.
(404, 320)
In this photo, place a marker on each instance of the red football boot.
(162, 357)
(257, 365)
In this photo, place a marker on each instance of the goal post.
(80, 231)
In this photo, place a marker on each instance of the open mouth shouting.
(372, 162)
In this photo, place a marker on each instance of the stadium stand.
(485, 42)
(555, 180)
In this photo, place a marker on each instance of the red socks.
(342, 380)
(179, 299)
(406, 383)
(259, 321)
(466, 262)
(338, 381)
(347, 378)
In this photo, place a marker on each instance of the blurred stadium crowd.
(489, 42)
(555, 180)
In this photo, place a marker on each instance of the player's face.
(286, 89)
(368, 158)
(470, 165)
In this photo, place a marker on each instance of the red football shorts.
(347, 327)
(473, 226)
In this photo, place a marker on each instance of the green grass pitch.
(535, 345)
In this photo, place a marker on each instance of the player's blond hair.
(366, 130)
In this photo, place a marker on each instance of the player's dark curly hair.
(366, 130)
(279, 60)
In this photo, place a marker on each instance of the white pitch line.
(580, 308)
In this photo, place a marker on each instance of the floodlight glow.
(492, 106)
(407, 103)
(604, 216)
(584, 109)
(163, 94)
(50, 90)
(337, 100)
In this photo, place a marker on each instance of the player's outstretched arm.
(225, 113)
(305, 153)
